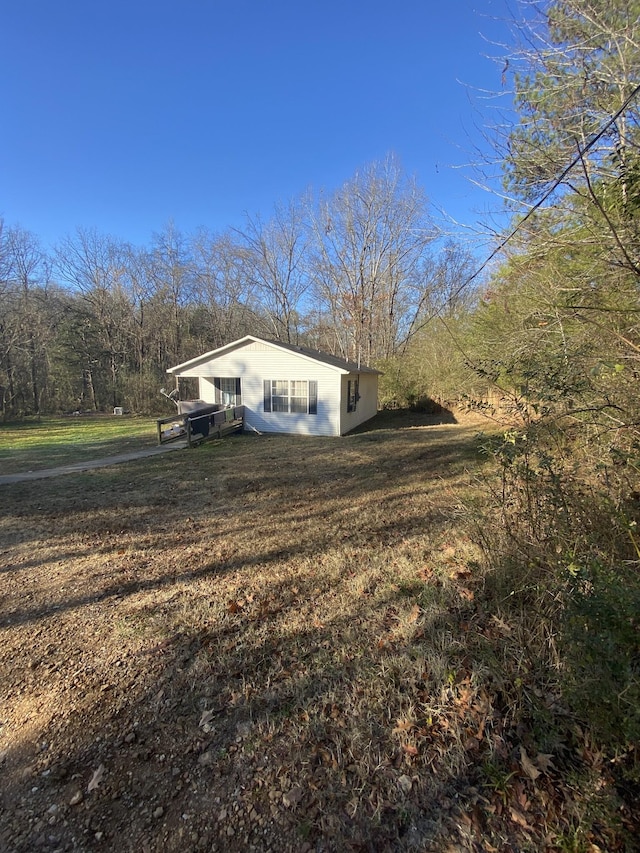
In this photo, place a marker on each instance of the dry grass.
(267, 643)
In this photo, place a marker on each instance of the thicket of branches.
(557, 336)
(551, 351)
(96, 322)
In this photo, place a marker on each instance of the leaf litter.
(310, 665)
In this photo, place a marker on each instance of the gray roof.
(326, 358)
(317, 355)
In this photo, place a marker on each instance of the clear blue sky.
(121, 115)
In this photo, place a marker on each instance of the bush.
(563, 548)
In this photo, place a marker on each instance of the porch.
(198, 423)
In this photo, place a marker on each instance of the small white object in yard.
(206, 718)
(117, 410)
(96, 778)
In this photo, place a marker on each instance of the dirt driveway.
(90, 465)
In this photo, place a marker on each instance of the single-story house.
(285, 388)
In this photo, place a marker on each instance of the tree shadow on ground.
(404, 418)
(270, 644)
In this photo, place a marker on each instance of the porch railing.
(201, 425)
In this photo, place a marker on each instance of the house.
(285, 388)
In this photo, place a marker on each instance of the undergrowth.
(563, 572)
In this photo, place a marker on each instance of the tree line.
(96, 322)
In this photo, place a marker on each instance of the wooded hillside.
(95, 323)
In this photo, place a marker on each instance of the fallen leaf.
(501, 625)
(96, 778)
(461, 573)
(403, 726)
(519, 818)
(544, 762)
(292, 797)
(527, 765)
(414, 613)
(206, 717)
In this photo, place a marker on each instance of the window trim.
(311, 396)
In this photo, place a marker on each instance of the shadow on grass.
(426, 416)
(231, 634)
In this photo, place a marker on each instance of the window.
(294, 396)
(299, 400)
(227, 390)
(353, 394)
(280, 395)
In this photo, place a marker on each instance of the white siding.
(256, 362)
(367, 405)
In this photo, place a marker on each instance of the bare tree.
(95, 266)
(276, 259)
(25, 326)
(30, 269)
(371, 252)
(222, 290)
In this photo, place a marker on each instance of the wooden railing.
(201, 425)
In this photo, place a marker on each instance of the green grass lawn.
(48, 442)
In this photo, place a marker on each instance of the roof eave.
(207, 356)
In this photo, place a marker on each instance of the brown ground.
(260, 644)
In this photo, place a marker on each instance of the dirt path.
(89, 464)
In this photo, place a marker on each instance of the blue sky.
(121, 116)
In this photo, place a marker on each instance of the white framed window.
(299, 396)
(291, 396)
(280, 395)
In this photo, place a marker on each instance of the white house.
(285, 388)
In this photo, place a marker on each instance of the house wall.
(256, 362)
(367, 405)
